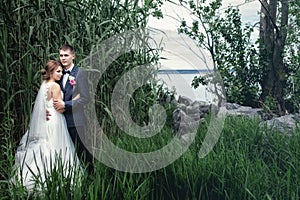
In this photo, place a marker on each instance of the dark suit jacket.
(74, 109)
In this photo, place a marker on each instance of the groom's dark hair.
(67, 47)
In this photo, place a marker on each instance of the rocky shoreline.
(188, 114)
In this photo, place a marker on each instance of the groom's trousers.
(82, 152)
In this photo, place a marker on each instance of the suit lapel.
(68, 87)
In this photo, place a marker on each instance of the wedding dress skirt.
(46, 146)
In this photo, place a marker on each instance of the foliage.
(31, 33)
(228, 42)
(248, 162)
(292, 57)
(272, 41)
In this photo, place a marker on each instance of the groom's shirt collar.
(70, 69)
(66, 76)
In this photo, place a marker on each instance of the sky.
(181, 52)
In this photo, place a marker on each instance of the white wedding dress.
(45, 144)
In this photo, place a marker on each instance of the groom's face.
(66, 58)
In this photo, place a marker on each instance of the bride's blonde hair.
(51, 65)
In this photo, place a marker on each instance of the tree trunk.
(272, 42)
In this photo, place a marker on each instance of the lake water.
(181, 80)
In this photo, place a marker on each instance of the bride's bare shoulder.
(55, 87)
(56, 91)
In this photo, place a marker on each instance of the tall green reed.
(41, 27)
(31, 33)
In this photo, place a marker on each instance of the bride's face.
(57, 74)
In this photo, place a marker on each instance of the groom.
(74, 85)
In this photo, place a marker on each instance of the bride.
(47, 144)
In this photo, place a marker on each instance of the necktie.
(66, 72)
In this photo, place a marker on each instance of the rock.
(189, 115)
(284, 124)
(238, 110)
(231, 106)
(184, 100)
(183, 123)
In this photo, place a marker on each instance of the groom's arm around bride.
(74, 85)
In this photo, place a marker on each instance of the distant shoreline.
(181, 80)
(183, 71)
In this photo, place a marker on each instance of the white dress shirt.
(66, 76)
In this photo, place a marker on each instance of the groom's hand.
(58, 104)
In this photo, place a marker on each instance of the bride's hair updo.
(51, 65)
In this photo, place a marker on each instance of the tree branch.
(269, 14)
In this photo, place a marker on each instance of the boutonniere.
(72, 80)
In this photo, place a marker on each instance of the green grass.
(248, 162)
